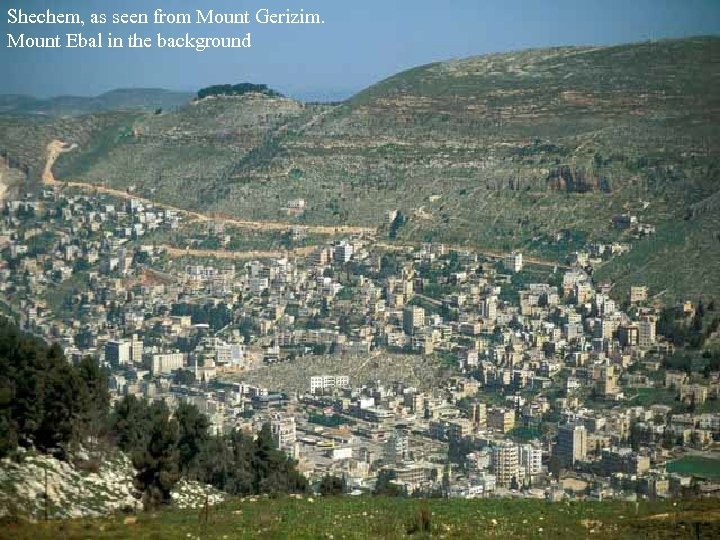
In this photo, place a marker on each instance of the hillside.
(534, 150)
(142, 99)
(397, 518)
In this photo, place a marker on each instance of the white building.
(229, 354)
(646, 331)
(343, 252)
(530, 460)
(328, 382)
(118, 352)
(505, 462)
(167, 362)
(513, 262)
(283, 432)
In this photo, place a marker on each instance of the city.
(456, 279)
(428, 369)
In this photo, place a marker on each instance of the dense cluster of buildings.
(542, 380)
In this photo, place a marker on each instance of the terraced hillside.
(199, 157)
(534, 150)
(510, 150)
(24, 139)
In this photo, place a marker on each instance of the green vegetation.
(164, 449)
(675, 263)
(652, 396)
(46, 402)
(60, 298)
(334, 420)
(534, 150)
(236, 90)
(696, 466)
(216, 316)
(525, 434)
(686, 331)
(53, 406)
(338, 517)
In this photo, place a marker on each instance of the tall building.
(604, 328)
(413, 318)
(608, 383)
(571, 444)
(167, 362)
(396, 447)
(118, 352)
(488, 308)
(502, 420)
(478, 414)
(136, 350)
(530, 459)
(513, 262)
(628, 335)
(505, 462)
(343, 252)
(646, 331)
(283, 432)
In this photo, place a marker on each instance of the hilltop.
(534, 150)
(122, 99)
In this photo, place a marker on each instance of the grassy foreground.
(395, 518)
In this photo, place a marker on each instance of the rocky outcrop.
(576, 180)
(194, 495)
(83, 490)
(71, 492)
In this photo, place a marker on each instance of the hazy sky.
(361, 42)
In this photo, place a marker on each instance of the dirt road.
(4, 179)
(484, 252)
(55, 148)
(240, 255)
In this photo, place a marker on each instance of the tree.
(216, 464)
(555, 466)
(45, 402)
(385, 487)
(395, 226)
(243, 449)
(183, 376)
(332, 486)
(157, 463)
(150, 436)
(236, 90)
(96, 381)
(64, 402)
(458, 449)
(129, 423)
(193, 435)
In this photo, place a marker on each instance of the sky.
(360, 43)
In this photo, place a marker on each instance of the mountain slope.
(535, 150)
